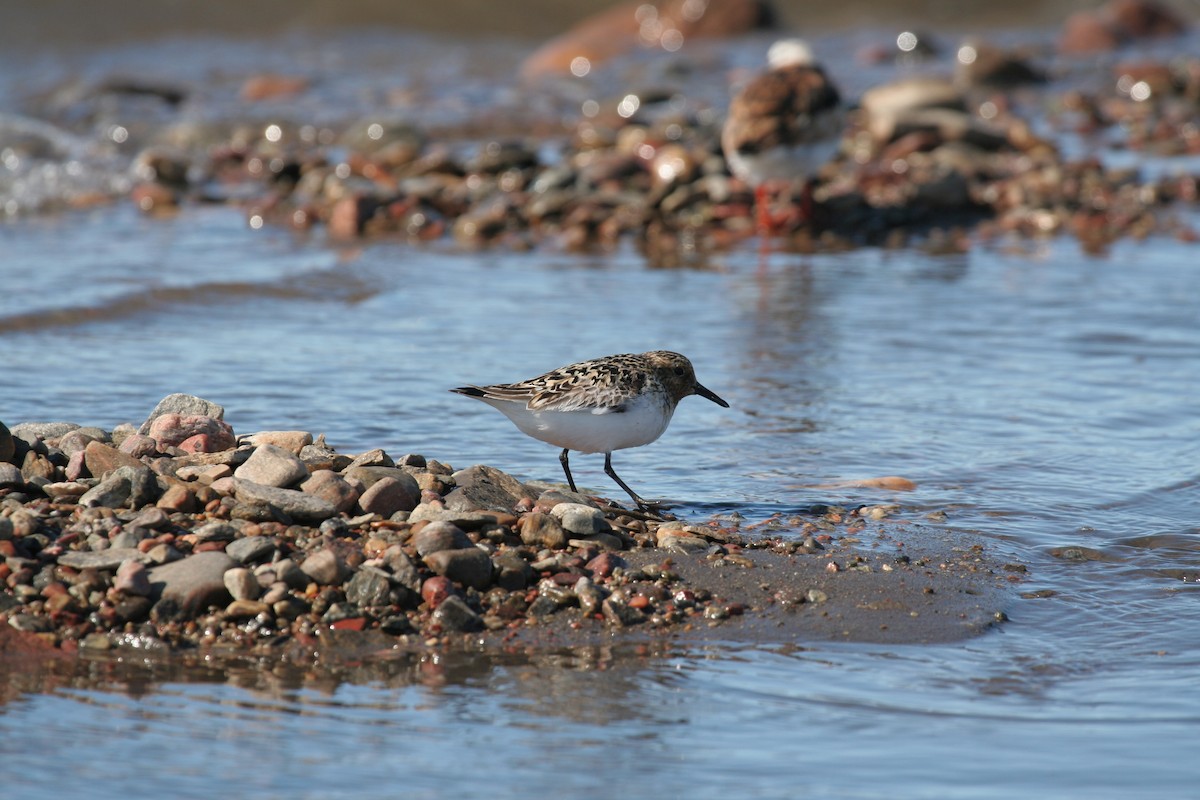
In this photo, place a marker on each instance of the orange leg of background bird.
(763, 209)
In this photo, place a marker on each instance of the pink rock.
(132, 578)
(137, 445)
(174, 429)
(435, 590)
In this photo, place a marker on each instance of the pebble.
(370, 587)
(469, 566)
(189, 586)
(242, 584)
(101, 559)
(271, 465)
(390, 494)
(332, 488)
(292, 441)
(543, 531)
(579, 519)
(326, 567)
(132, 578)
(182, 404)
(301, 507)
(440, 536)
(250, 549)
(453, 614)
(10, 476)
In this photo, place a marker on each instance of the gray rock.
(512, 572)
(590, 596)
(388, 495)
(455, 615)
(372, 458)
(368, 474)
(152, 518)
(242, 584)
(304, 509)
(404, 570)
(370, 587)
(579, 519)
(130, 537)
(10, 476)
(31, 431)
(543, 531)
(108, 559)
(191, 585)
(329, 486)
(185, 404)
(325, 567)
(440, 536)
(482, 488)
(75, 441)
(619, 614)
(132, 578)
(271, 465)
(469, 566)
(215, 532)
(467, 520)
(289, 573)
(132, 487)
(250, 549)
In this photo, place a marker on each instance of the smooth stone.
(372, 458)
(388, 495)
(182, 404)
(126, 486)
(590, 596)
(10, 476)
(513, 573)
(325, 567)
(467, 520)
(59, 492)
(152, 518)
(246, 608)
(129, 537)
(215, 532)
(331, 487)
(453, 614)
(138, 445)
(101, 458)
(580, 519)
(483, 488)
(242, 584)
(250, 549)
(304, 509)
(469, 566)
(370, 587)
(543, 531)
(175, 429)
(440, 536)
(404, 570)
(75, 441)
(287, 571)
(619, 614)
(31, 431)
(193, 584)
(368, 474)
(271, 465)
(163, 553)
(132, 578)
(177, 498)
(683, 544)
(292, 441)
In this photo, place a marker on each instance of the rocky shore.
(179, 535)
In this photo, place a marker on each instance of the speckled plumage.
(600, 405)
(783, 124)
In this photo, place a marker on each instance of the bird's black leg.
(567, 469)
(612, 473)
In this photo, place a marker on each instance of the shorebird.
(782, 125)
(598, 406)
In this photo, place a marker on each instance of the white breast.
(593, 431)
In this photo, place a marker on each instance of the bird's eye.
(680, 372)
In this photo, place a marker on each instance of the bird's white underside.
(595, 430)
(783, 163)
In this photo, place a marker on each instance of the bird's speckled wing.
(603, 385)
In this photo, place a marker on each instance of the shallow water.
(1042, 397)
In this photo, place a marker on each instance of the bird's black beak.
(708, 394)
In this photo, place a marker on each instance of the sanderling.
(598, 406)
(782, 125)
